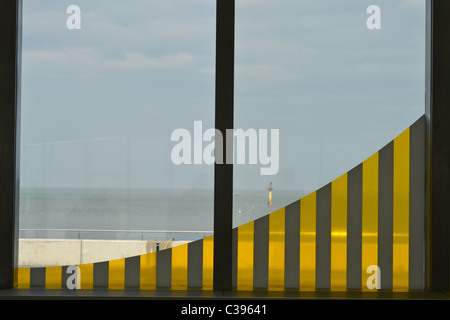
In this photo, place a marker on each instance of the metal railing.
(79, 232)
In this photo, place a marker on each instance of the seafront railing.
(114, 234)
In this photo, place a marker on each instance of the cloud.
(88, 58)
(137, 60)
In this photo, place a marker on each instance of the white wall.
(61, 252)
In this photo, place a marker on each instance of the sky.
(99, 104)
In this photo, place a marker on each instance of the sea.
(135, 214)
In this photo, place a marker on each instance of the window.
(329, 104)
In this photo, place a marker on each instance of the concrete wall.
(60, 252)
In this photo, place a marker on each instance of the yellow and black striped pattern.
(333, 235)
(372, 215)
(188, 265)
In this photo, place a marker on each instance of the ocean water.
(146, 214)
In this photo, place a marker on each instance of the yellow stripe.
(116, 274)
(339, 234)
(400, 265)
(53, 277)
(276, 250)
(369, 255)
(179, 267)
(245, 256)
(148, 271)
(86, 275)
(308, 243)
(208, 262)
(23, 278)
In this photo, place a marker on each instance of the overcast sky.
(99, 104)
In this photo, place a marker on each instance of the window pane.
(340, 87)
(104, 85)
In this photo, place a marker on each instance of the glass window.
(330, 91)
(104, 86)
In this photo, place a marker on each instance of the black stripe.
(164, 268)
(385, 214)
(101, 274)
(261, 253)
(234, 257)
(417, 206)
(37, 277)
(195, 264)
(323, 238)
(133, 272)
(292, 246)
(65, 276)
(354, 228)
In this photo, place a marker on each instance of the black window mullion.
(223, 173)
(438, 145)
(10, 53)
